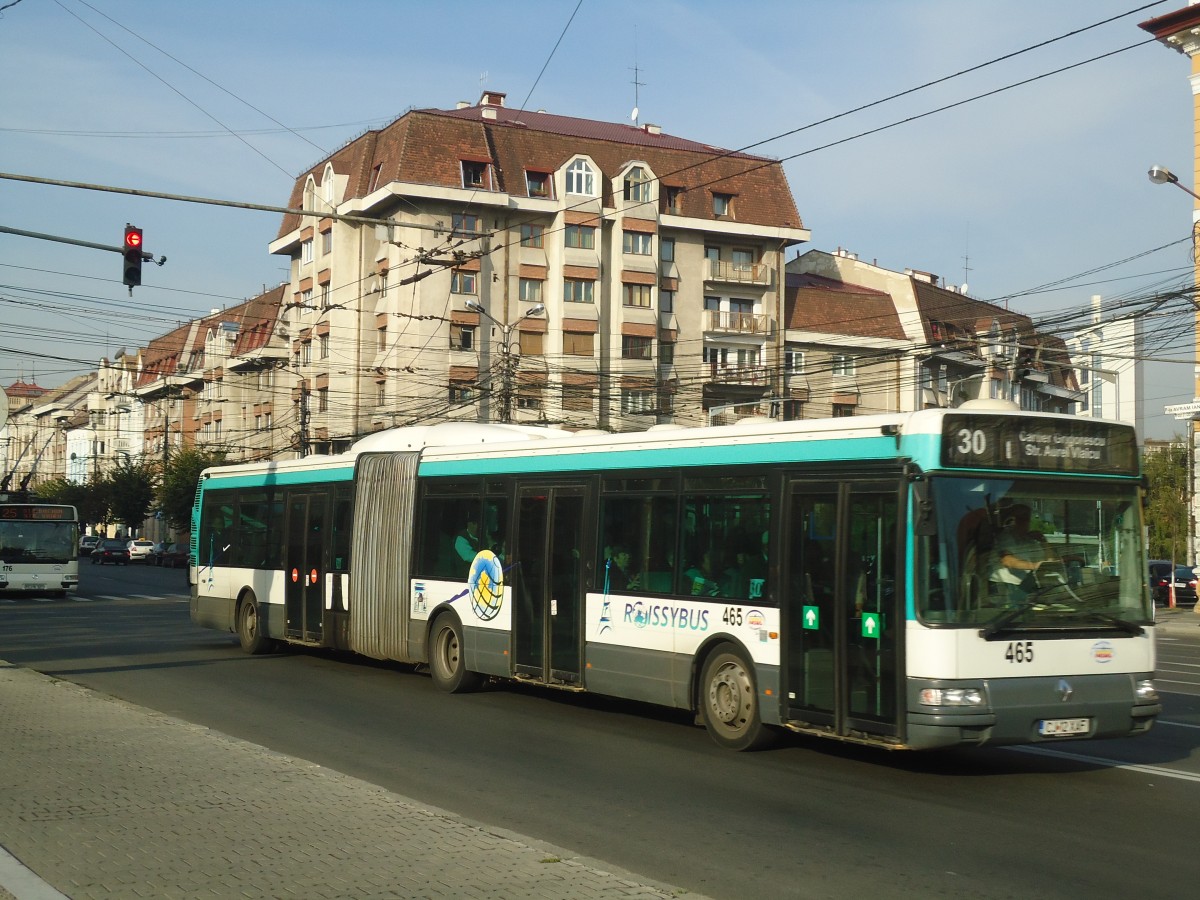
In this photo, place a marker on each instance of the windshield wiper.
(1009, 616)
(1123, 624)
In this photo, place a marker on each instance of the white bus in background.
(39, 549)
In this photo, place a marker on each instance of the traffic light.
(133, 256)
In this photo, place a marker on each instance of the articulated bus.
(39, 548)
(847, 578)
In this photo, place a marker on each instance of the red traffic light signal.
(133, 256)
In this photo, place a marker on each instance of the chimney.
(461, 104)
(653, 129)
(488, 113)
(492, 98)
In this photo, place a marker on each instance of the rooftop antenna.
(967, 259)
(636, 84)
(483, 77)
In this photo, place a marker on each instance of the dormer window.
(581, 179)
(722, 204)
(474, 174)
(537, 184)
(637, 185)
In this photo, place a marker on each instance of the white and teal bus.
(833, 577)
(38, 548)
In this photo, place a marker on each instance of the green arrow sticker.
(871, 625)
(812, 617)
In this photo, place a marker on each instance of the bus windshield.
(1033, 554)
(32, 541)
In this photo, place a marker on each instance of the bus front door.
(843, 615)
(304, 565)
(548, 556)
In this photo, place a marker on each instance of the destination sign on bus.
(38, 513)
(1007, 442)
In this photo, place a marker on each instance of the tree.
(177, 488)
(90, 499)
(1166, 511)
(131, 492)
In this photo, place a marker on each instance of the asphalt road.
(643, 788)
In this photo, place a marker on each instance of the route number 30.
(971, 442)
(1019, 652)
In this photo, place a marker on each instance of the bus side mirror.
(924, 522)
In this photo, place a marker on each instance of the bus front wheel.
(729, 702)
(447, 663)
(249, 627)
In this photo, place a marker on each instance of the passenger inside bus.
(620, 578)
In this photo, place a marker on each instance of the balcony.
(737, 322)
(754, 376)
(728, 272)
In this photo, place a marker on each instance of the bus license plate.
(1053, 727)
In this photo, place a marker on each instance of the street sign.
(1183, 410)
(812, 617)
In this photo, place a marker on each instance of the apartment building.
(517, 265)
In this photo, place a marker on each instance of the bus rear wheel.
(729, 702)
(447, 663)
(249, 627)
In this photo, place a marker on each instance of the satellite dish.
(633, 115)
(963, 289)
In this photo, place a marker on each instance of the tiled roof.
(24, 390)
(821, 304)
(961, 311)
(428, 146)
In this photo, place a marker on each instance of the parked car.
(139, 550)
(88, 543)
(173, 556)
(111, 550)
(1164, 574)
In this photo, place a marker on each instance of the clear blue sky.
(1025, 188)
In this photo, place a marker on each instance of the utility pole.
(508, 359)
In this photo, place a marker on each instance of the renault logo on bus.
(1065, 691)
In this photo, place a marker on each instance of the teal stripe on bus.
(558, 462)
(284, 478)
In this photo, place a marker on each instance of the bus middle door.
(304, 564)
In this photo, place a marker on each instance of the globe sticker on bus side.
(486, 585)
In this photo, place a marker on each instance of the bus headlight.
(1144, 690)
(951, 697)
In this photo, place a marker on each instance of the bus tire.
(447, 663)
(728, 702)
(249, 627)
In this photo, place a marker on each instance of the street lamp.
(508, 359)
(1162, 175)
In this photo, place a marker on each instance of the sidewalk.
(100, 798)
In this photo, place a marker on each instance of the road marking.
(1111, 763)
(1161, 722)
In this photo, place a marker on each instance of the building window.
(306, 251)
(461, 392)
(722, 204)
(743, 260)
(537, 184)
(306, 353)
(529, 398)
(531, 290)
(374, 182)
(531, 235)
(531, 343)
(462, 282)
(474, 174)
(306, 299)
(322, 346)
(582, 237)
(666, 301)
(326, 242)
(637, 185)
(578, 343)
(463, 225)
(666, 249)
(843, 410)
(576, 290)
(577, 398)
(381, 393)
(267, 421)
(840, 364)
(635, 347)
(636, 402)
(580, 179)
(462, 337)
(793, 362)
(673, 196)
(638, 295)
(323, 400)
(324, 296)
(666, 352)
(381, 339)
(638, 243)
(383, 283)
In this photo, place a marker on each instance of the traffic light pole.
(148, 257)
